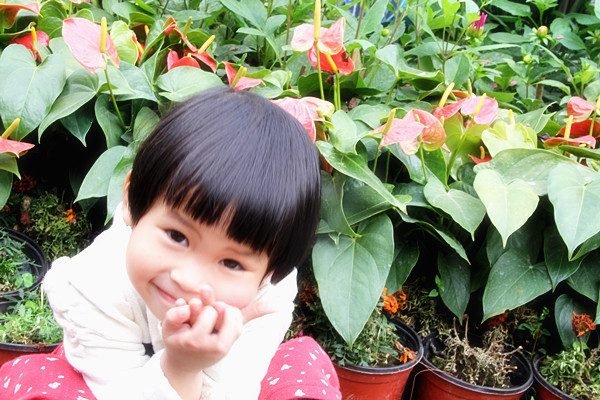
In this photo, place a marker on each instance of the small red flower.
(170, 26)
(27, 41)
(173, 61)
(582, 324)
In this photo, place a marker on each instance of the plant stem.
(319, 70)
(360, 15)
(112, 95)
(463, 136)
(422, 156)
(391, 91)
(287, 32)
(387, 166)
(164, 8)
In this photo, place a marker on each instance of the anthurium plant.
(458, 138)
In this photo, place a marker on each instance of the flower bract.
(8, 12)
(301, 112)
(27, 41)
(83, 38)
(579, 108)
(243, 82)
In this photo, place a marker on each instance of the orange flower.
(582, 324)
(393, 302)
(497, 320)
(405, 354)
(25, 184)
(71, 217)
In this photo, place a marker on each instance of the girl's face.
(171, 256)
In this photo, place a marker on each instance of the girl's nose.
(190, 279)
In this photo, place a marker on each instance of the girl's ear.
(126, 211)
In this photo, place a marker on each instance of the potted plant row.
(28, 326)
(23, 265)
(377, 365)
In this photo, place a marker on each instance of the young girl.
(190, 291)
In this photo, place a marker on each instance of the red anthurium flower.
(27, 41)
(433, 135)
(582, 129)
(481, 160)
(330, 42)
(243, 82)
(343, 64)
(579, 108)
(173, 61)
(404, 131)
(301, 112)
(9, 12)
(204, 58)
(556, 141)
(83, 38)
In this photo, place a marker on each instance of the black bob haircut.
(234, 156)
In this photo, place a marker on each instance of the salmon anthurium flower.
(433, 135)
(8, 12)
(27, 41)
(330, 44)
(301, 112)
(242, 82)
(13, 146)
(83, 38)
(580, 108)
(483, 109)
(404, 131)
(556, 141)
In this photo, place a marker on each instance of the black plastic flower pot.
(387, 383)
(433, 384)
(9, 351)
(38, 266)
(544, 389)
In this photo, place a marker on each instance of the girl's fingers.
(174, 318)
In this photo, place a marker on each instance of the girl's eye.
(232, 264)
(177, 237)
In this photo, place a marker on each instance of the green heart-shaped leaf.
(355, 166)
(576, 203)
(513, 281)
(455, 283)
(351, 274)
(466, 210)
(27, 90)
(556, 257)
(510, 205)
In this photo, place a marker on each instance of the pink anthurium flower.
(173, 61)
(330, 43)
(301, 112)
(433, 135)
(13, 146)
(318, 108)
(484, 110)
(243, 82)
(83, 38)
(8, 12)
(556, 141)
(580, 108)
(404, 131)
(204, 58)
(27, 41)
